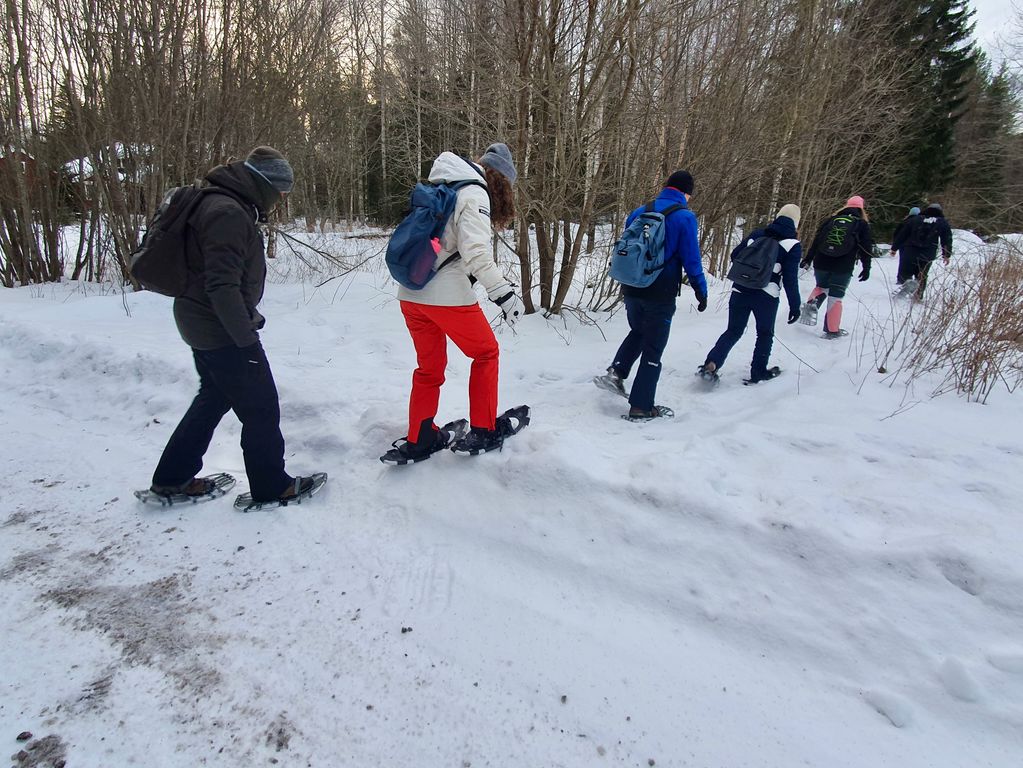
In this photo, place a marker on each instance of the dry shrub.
(969, 329)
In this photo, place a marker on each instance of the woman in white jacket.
(447, 308)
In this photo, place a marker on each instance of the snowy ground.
(821, 570)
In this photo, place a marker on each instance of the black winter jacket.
(921, 238)
(863, 251)
(226, 262)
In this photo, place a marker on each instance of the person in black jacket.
(900, 233)
(918, 244)
(762, 302)
(842, 239)
(217, 318)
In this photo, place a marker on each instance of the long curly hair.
(502, 198)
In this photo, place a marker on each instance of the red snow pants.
(431, 327)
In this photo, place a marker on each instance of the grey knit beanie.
(271, 165)
(499, 157)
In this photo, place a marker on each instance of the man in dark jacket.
(217, 318)
(762, 302)
(841, 240)
(901, 232)
(918, 247)
(649, 310)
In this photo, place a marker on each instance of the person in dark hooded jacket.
(918, 243)
(762, 303)
(218, 319)
(901, 232)
(843, 239)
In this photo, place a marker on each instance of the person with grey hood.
(218, 319)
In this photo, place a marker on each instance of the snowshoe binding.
(302, 489)
(403, 452)
(195, 491)
(479, 440)
(657, 412)
(836, 334)
(808, 315)
(907, 289)
(611, 382)
(767, 375)
(710, 376)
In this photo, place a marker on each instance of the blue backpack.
(638, 257)
(414, 245)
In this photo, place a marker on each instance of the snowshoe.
(907, 289)
(711, 377)
(611, 382)
(304, 487)
(479, 440)
(836, 334)
(403, 452)
(657, 412)
(767, 375)
(193, 492)
(808, 315)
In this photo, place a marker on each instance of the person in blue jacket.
(762, 302)
(649, 310)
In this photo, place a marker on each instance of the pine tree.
(936, 36)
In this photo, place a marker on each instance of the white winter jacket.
(468, 231)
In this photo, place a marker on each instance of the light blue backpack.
(638, 256)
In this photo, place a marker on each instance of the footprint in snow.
(958, 681)
(1007, 660)
(891, 706)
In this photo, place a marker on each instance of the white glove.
(511, 307)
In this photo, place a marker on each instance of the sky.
(994, 20)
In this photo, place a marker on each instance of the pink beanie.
(855, 202)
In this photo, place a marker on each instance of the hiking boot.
(709, 373)
(197, 486)
(765, 375)
(403, 452)
(657, 412)
(835, 334)
(479, 440)
(611, 381)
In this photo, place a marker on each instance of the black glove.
(701, 302)
(794, 313)
(864, 275)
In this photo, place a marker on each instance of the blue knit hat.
(499, 157)
(271, 165)
(914, 211)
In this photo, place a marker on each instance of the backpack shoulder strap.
(671, 209)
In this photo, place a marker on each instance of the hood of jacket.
(673, 197)
(782, 228)
(449, 167)
(932, 211)
(244, 183)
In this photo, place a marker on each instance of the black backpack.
(159, 263)
(839, 236)
(753, 266)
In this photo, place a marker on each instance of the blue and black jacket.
(786, 271)
(682, 251)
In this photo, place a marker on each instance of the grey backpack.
(753, 265)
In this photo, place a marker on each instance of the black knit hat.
(271, 165)
(682, 181)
